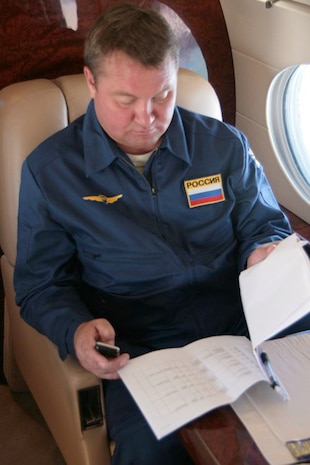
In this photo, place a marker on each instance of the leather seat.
(70, 398)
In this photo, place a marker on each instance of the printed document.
(174, 386)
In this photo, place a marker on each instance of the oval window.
(288, 121)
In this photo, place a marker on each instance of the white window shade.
(270, 3)
(304, 2)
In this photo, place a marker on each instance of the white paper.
(270, 421)
(174, 386)
(276, 292)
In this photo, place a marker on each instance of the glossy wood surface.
(298, 225)
(35, 41)
(219, 438)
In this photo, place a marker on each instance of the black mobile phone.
(108, 350)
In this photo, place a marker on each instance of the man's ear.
(90, 81)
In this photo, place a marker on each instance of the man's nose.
(145, 113)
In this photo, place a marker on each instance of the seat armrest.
(55, 386)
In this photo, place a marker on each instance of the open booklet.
(175, 386)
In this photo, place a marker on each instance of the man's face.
(134, 104)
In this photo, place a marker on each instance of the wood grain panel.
(35, 41)
(220, 438)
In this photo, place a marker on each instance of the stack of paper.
(174, 386)
(270, 421)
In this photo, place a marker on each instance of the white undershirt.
(140, 161)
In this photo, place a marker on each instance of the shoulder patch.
(204, 191)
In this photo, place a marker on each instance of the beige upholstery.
(29, 112)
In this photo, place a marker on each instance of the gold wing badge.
(103, 198)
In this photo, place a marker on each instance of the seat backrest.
(33, 110)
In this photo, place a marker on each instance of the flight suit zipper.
(153, 189)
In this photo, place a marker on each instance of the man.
(113, 243)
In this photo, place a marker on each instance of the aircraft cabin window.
(288, 116)
(191, 56)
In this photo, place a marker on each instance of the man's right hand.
(85, 338)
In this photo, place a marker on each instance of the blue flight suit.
(157, 255)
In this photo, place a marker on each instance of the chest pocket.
(128, 273)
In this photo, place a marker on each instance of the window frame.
(276, 116)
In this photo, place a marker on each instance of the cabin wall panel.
(277, 36)
(258, 136)
(253, 79)
(265, 41)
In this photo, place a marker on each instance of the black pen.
(274, 382)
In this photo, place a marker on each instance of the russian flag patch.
(204, 191)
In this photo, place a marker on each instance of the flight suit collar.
(100, 150)
(175, 140)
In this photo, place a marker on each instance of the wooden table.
(219, 438)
